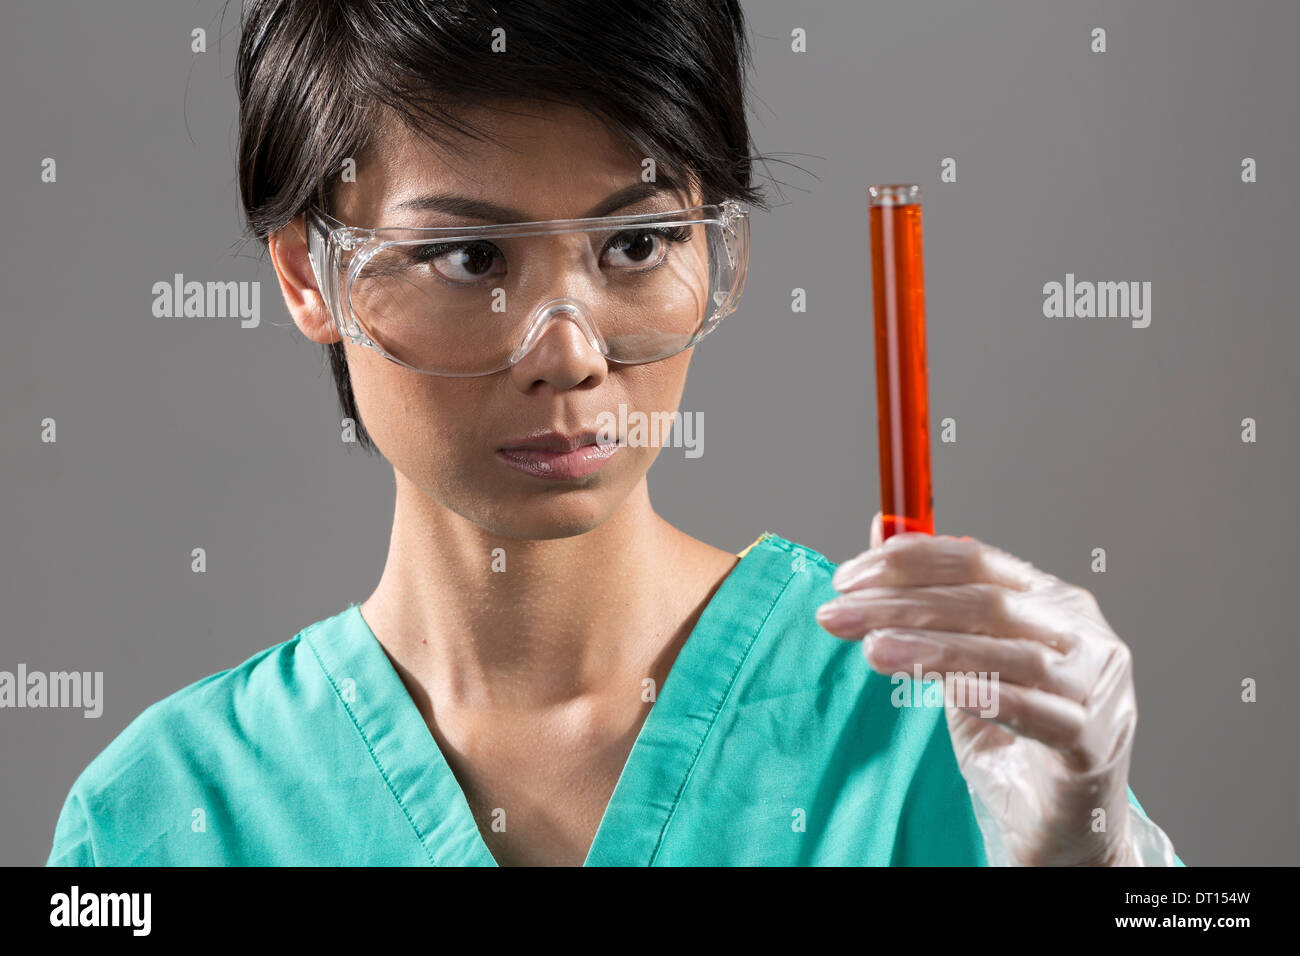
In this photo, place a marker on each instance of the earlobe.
(288, 250)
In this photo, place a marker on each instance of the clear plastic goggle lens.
(472, 302)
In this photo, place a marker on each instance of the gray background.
(1072, 434)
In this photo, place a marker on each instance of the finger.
(968, 608)
(865, 560)
(973, 608)
(1021, 662)
(876, 538)
(917, 560)
(1050, 719)
(984, 609)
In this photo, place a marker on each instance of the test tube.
(902, 405)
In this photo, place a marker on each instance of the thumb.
(877, 530)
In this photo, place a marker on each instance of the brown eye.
(460, 262)
(642, 248)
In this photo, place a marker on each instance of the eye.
(642, 249)
(460, 261)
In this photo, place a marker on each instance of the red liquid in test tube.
(902, 405)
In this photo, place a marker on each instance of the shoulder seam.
(790, 547)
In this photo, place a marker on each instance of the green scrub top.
(771, 742)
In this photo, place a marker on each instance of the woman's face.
(446, 435)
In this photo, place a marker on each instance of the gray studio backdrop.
(1072, 434)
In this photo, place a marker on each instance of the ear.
(288, 249)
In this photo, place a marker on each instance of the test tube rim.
(894, 194)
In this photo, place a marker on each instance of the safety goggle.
(467, 301)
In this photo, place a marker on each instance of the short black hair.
(668, 75)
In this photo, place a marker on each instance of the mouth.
(556, 456)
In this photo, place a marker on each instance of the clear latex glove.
(1056, 750)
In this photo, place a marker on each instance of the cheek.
(407, 413)
(656, 387)
(645, 390)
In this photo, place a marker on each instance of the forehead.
(548, 161)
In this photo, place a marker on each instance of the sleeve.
(72, 843)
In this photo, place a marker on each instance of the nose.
(547, 313)
(562, 347)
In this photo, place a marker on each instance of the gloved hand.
(1058, 748)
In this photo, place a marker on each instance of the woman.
(547, 671)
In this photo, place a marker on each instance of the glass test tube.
(902, 405)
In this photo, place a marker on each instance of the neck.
(564, 618)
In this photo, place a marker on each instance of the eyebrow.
(491, 212)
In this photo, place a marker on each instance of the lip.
(547, 439)
(556, 456)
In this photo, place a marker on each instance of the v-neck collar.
(657, 769)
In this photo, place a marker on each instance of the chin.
(562, 511)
